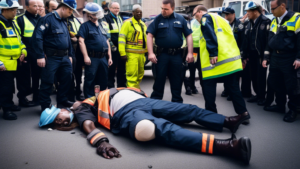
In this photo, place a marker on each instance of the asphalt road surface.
(275, 144)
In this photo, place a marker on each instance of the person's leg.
(209, 93)
(47, 80)
(254, 74)
(175, 79)
(162, 67)
(246, 82)
(36, 75)
(23, 78)
(89, 77)
(78, 73)
(112, 69)
(262, 83)
(141, 66)
(121, 72)
(6, 94)
(192, 68)
(102, 73)
(64, 77)
(232, 84)
(132, 74)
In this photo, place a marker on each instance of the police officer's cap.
(7, 4)
(251, 5)
(71, 4)
(228, 10)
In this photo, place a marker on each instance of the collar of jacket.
(7, 23)
(30, 15)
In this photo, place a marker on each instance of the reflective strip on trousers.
(222, 62)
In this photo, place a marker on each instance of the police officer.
(53, 44)
(168, 28)
(51, 5)
(238, 31)
(73, 26)
(11, 50)
(220, 57)
(255, 42)
(28, 72)
(95, 48)
(132, 47)
(284, 48)
(115, 22)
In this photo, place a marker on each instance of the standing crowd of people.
(47, 47)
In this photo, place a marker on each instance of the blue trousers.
(164, 114)
(62, 68)
(171, 66)
(95, 74)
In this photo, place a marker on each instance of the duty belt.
(170, 51)
(94, 54)
(55, 52)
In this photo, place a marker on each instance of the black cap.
(228, 10)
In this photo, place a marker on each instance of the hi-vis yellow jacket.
(131, 37)
(229, 59)
(11, 46)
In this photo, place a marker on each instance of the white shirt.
(123, 98)
(280, 18)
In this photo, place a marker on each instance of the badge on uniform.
(114, 26)
(262, 26)
(178, 22)
(241, 26)
(10, 33)
(161, 24)
(203, 21)
(46, 25)
(42, 27)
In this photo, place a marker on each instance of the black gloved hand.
(107, 150)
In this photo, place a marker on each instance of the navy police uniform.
(30, 69)
(96, 43)
(51, 38)
(168, 37)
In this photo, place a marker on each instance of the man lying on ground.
(128, 110)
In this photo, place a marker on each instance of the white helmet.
(7, 4)
(94, 8)
(251, 5)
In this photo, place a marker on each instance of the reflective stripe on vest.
(116, 25)
(103, 99)
(28, 28)
(229, 60)
(75, 25)
(196, 33)
(290, 24)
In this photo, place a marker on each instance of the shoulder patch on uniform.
(42, 27)
(46, 25)
(241, 26)
(203, 21)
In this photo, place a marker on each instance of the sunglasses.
(195, 13)
(275, 7)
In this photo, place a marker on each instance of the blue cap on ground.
(228, 10)
(48, 116)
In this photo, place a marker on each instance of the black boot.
(15, 108)
(224, 94)
(9, 115)
(195, 91)
(43, 107)
(275, 108)
(252, 99)
(290, 116)
(188, 91)
(233, 122)
(238, 149)
(24, 102)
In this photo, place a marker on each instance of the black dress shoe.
(274, 108)
(15, 108)
(290, 116)
(188, 91)
(229, 98)
(195, 91)
(80, 97)
(252, 99)
(26, 103)
(65, 104)
(246, 122)
(9, 115)
(224, 94)
(233, 122)
(239, 149)
(261, 102)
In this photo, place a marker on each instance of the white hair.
(136, 6)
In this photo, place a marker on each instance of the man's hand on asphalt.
(41, 62)
(152, 58)
(189, 58)
(124, 58)
(110, 62)
(264, 64)
(296, 64)
(87, 60)
(213, 60)
(108, 151)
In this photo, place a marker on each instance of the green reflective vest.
(116, 26)
(75, 25)
(292, 25)
(11, 46)
(229, 59)
(196, 33)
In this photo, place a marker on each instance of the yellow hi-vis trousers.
(135, 69)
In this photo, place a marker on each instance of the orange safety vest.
(104, 97)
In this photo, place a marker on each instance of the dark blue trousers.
(62, 68)
(171, 66)
(95, 74)
(164, 114)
